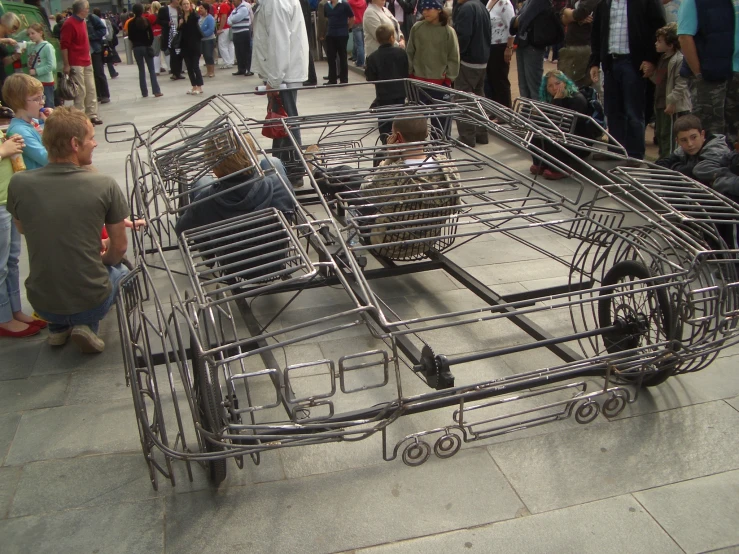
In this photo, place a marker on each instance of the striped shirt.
(240, 18)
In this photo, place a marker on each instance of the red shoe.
(553, 175)
(27, 332)
(40, 323)
(537, 169)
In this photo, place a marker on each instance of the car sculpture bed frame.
(220, 366)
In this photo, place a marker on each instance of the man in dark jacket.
(706, 28)
(472, 23)
(96, 31)
(622, 42)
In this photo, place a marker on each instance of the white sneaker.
(86, 340)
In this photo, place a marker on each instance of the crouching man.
(60, 208)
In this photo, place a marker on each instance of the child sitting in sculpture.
(237, 192)
(412, 184)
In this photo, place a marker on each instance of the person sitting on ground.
(237, 192)
(386, 63)
(698, 155)
(556, 88)
(60, 208)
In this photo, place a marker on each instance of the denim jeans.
(625, 100)
(10, 251)
(146, 62)
(59, 323)
(358, 35)
(282, 147)
(49, 96)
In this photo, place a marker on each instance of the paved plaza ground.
(661, 477)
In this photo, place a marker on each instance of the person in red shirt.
(76, 56)
(225, 43)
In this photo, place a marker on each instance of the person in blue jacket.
(25, 96)
(237, 192)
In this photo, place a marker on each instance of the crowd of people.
(679, 73)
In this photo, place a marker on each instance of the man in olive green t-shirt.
(61, 209)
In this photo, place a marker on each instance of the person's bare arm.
(65, 59)
(18, 225)
(118, 243)
(687, 45)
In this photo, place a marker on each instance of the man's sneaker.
(58, 339)
(87, 341)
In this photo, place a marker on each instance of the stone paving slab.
(9, 477)
(8, 426)
(18, 358)
(611, 526)
(116, 529)
(32, 393)
(342, 510)
(681, 510)
(582, 465)
(70, 431)
(83, 482)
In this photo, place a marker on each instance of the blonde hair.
(61, 127)
(238, 160)
(11, 21)
(18, 88)
(155, 7)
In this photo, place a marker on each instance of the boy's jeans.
(358, 36)
(92, 318)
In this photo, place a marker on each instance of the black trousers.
(101, 81)
(175, 62)
(336, 51)
(572, 157)
(242, 47)
(192, 62)
(497, 74)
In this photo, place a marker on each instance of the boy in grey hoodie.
(698, 155)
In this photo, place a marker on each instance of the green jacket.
(433, 51)
(46, 65)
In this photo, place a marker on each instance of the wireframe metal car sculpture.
(231, 349)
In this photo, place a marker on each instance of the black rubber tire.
(613, 343)
(209, 399)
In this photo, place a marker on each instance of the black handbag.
(546, 30)
(67, 87)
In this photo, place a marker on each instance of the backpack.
(595, 110)
(546, 29)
